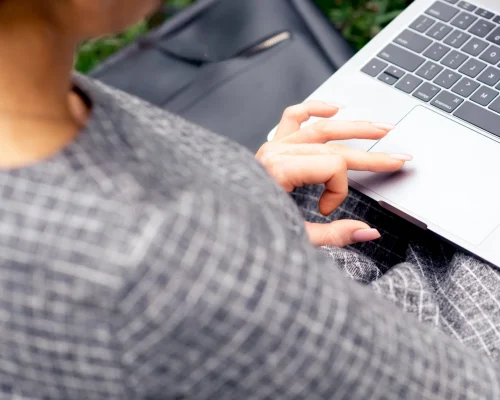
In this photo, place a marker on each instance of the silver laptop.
(435, 72)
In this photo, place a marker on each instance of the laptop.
(435, 73)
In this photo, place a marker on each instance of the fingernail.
(384, 126)
(365, 235)
(336, 105)
(401, 157)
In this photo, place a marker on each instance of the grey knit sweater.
(153, 260)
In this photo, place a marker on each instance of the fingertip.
(366, 235)
(383, 162)
(335, 105)
(384, 126)
(328, 203)
(395, 165)
(325, 210)
(324, 207)
(371, 131)
(401, 157)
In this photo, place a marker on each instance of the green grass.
(358, 20)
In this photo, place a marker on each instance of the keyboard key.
(472, 68)
(466, 6)
(395, 72)
(454, 59)
(456, 39)
(484, 13)
(386, 78)
(497, 19)
(481, 28)
(442, 11)
(452, 1)
(447, 78)
(484, 95)
(409, 83)
(465, 87)
(495, 106)
(437, 51)
(429, 70)
(464, 20)
(401, 57)
(480, 117)
(439, 31)
(494, 37)
(426, 92)
(413, 41)
(491, 76)
(374, 67)
(491, 55)
(447, 101)
(422, 23)
(475, 47)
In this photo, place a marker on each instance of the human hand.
(301, 156)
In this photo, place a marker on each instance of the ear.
(78, 109)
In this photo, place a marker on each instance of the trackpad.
(453, 181)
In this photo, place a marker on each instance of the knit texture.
(153, 260)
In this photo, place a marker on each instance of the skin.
(40, 115)
(298, 156)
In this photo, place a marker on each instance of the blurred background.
(358, 20)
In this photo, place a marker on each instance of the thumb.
(340, 233)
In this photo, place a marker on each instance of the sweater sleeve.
(229, 305)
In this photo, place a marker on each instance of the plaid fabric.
(153, 260)
(424, 276)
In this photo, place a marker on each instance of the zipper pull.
(267, 44)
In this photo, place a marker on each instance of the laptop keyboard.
(449, 58)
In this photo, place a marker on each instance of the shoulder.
(154, 155)
(134, 115)
(177, 188)
(160, 148)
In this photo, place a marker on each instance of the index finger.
(325, 131)
(357, 160)
(294, 116)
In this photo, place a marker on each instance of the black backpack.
(231, 66)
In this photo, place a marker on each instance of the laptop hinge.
(403, 215)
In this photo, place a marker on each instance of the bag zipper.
(267, 44)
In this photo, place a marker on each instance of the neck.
(35, 81)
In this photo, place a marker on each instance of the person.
(145, 258)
